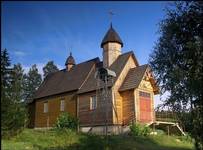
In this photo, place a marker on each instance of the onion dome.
(111, 36)
(70, 60)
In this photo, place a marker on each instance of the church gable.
(139, 77)
(130, 63)
(148, 82)
(145, 84)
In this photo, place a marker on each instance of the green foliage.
(139, 130)
(69, 140)
(160, 132)
(13, 111)
(5, 87)
(177, 63)
(32, 82)
(65, 120)
(50, 67)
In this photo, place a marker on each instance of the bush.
(139, 130)
(65, 120)
(14, 121)
(160, 132)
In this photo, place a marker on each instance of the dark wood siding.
(94, 117)
(31, 114)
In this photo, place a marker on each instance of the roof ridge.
(147, 65)
(127, 53)
(93, 59)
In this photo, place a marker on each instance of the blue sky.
(36, 32)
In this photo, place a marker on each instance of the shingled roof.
(65, 81)
(134, 77)
(117, 67)
(111, 36)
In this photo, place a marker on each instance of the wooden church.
(75, 90)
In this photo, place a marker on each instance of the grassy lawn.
(67, 140)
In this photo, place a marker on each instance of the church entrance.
(145, 107)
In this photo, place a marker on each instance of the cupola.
(70, 62)
(111, 45)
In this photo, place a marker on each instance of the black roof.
(111, 36)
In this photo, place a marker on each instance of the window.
(62, 105)
(93, 102)
(45, 107)
(144, 94)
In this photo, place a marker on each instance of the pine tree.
(5, 89)
(50, 67)
(12, 109)
(5, 73)
(17, 83)
(32, 82)
(17, 111)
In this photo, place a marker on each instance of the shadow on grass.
(94, 142)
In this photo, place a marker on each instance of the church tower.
(111, 45)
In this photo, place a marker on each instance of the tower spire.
(111, 13)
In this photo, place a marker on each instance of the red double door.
(145, 109)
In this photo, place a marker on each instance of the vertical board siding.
(145, 105)
(128, 107)
(97, 116)
(145, 110)
(48, 119)
(118, 97)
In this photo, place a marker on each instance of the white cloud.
(19, 53)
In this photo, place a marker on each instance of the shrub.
(160, 132)
(65, 120)
(139, 130)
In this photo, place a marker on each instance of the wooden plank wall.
(31, 115)
(118, 101)
(144, 86)
(48, 119)
(128, 106)
(95, 117)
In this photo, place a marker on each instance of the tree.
(32, 82)
(49, 68)
(13, 110)
(17, 83)
(5, 89)
(17, 111)
(177, 62)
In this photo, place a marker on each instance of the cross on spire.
(111, 13)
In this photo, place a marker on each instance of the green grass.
(68, 140)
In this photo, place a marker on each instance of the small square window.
(45, 107)
(93, 102)
(62, 105)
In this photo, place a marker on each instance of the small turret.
(70, 62)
